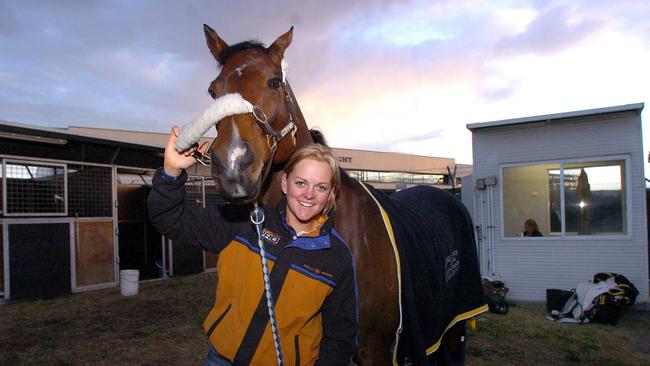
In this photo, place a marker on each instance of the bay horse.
(253, 143)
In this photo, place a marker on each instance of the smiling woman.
(313, 279)
(310, 181)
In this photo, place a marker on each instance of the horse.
(253, 143)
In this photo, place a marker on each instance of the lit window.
(566, 199)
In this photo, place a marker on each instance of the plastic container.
(556, 298)
(129, 282)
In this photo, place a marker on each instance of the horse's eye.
(212, 94)
(274, 83)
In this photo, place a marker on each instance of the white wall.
(529, 266)
(467, 193)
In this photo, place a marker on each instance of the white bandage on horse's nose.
(224, 106)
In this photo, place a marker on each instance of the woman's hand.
(176, 162)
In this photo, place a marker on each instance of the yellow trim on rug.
(463, 316)
(391, 235)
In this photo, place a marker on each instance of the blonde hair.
(323, 154)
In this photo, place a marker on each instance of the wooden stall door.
(95, 261)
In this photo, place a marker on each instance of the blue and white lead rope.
(257, 218)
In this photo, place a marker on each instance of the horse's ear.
(215, 43)
(277, 48)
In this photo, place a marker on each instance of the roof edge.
(64, 133)
(557, 116)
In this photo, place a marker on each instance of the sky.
(400, 76)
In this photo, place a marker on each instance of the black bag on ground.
(612, 303)
(495, 293)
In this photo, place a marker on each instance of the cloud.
(554, 29)
(392, 75)
(143, 59)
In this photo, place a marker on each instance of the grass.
(525, 337)
(162, 326)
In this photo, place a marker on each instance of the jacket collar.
(320, 241)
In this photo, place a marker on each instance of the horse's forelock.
(318, 137)
(239, 47)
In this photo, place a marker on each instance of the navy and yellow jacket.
(312, 280)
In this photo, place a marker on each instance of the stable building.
(580, 176)
(387, 171)
(74, 205)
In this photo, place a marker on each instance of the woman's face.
(307, 187)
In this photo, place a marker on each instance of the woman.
(311, 268)
(531, 228)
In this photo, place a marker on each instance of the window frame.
(33, 214)
(626, 158)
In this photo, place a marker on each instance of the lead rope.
(257, 218)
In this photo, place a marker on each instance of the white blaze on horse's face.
(236, 149)
(235, 154)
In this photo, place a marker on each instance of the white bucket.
(129, 281)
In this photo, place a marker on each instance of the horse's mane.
(238, 47)
(318, 137)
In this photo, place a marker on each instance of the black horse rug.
(440, 276)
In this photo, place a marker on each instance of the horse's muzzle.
(236, 185)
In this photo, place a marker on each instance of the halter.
(272, 137)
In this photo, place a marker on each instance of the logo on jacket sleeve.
(270, 236)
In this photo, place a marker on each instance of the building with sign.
(387, 171)
(74, 205)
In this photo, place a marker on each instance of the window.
(396, 177)
(390, 177)
(371, 176)
(33, 189)
(567, 198)
(354, 174)
(90, 191)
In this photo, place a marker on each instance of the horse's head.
(253, 113)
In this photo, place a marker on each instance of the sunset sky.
(403, 76)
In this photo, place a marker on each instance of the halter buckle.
(293, 134)
(203, 159)
(272, 142)
(259, 115)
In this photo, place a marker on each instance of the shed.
(73, 213)
(580, 176)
